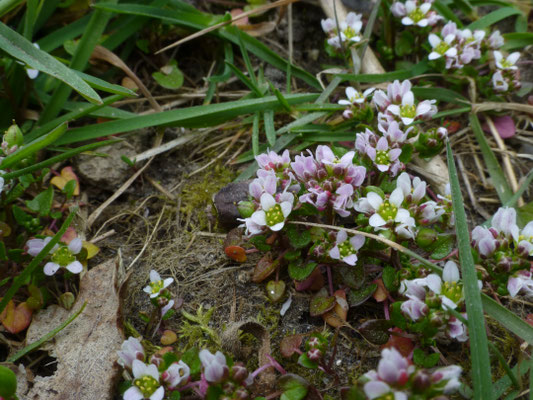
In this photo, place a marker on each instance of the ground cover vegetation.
(258, 200)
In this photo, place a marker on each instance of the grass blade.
(508, 319)
(45, 338)
(95, 28)
(418, 69)
(23, 50)
(198, 21)
(446, 12)
(104, 86)
(498, 178)
(270, 130)
(198, 116)
(494, 17)
(481, 375)
(255, 134)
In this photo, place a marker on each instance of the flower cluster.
(403, 210)
(165, 373)
(459, 47)
(506, 76)
(397, 378)
(159, 295)
(152, 380)
(413, 13)
(349, 32)
(62, 256)
(429, 299)
(504, 249)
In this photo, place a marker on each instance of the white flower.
(382, 155)
(156, 284)
(273, 214)
(355, 97)
(177, 374)
(447, 287)
(508, 62)
(145, 383)
(521, 282)
(350, 30)
(412, 193)
(450, 375)
(504, 221)
(415, 309)
(166, 308)
(64, 257)
(346, 250)
(215, 366)
(496, 40)
(36, 245)
(131, 350)
(441, 47)
(499, 83)
(525, 239)
(408, 112)
(416, 15)
(457, 330)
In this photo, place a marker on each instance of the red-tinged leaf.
(337, 317)
(236, 253)
(529, 319)
(504, 125)
(381, 292)
(313, 282)
(16, 318)
(67, 174)
(264, 268)
(290, 344)
(452, 126)
(321, 303)
(275, 290)
(404, 345)
(236, 12)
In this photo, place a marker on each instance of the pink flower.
(214, 365)
(176, 375)
(382, 155)
(131, 349)
(521, 282)
(415, 309)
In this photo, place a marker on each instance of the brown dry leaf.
(67, 174)
(86, 349)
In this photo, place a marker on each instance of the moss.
(196, 197)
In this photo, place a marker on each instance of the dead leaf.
(16, 318)
(337, 317)
(67, 174)
(86, 349)
(380, 295)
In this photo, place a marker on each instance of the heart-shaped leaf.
(321, 303)
(236, 253)
(300, 272)
(67, 175)
(275, 290)
(16, 318)
(169, 76)
(337, 317)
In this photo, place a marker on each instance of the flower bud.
(246, 208)
(437, 318)
(66, 300)
(426, 237)
(321, 173)
(14, 136)
(162, 301)
(239, 372)
(313, 342)
(314, 354)
(156, 359)
(421, 382)
(241, 394)
(347, 114)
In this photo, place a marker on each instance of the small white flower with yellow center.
(448, 288)
(273, 213)
(440, 47)
(65, 257)
(156, 284)
(507, 62)
(345, 248)
(145, 383)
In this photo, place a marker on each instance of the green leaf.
(8, 382)
(191, 358)
(299, 272)
(104, 86)
(493, 17)
(441, 94)
(481, 373)
(304, 361)
(446, 12)
(517, 40)
(259, 242)
(255, 134)
(169, 76)
(321, 303)
(358, 297)
(507, 319)
(23, 50)
(442, 247)
(298, 239)
(390, 278)
(499, 180)
(42, 203)
(294, 387)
